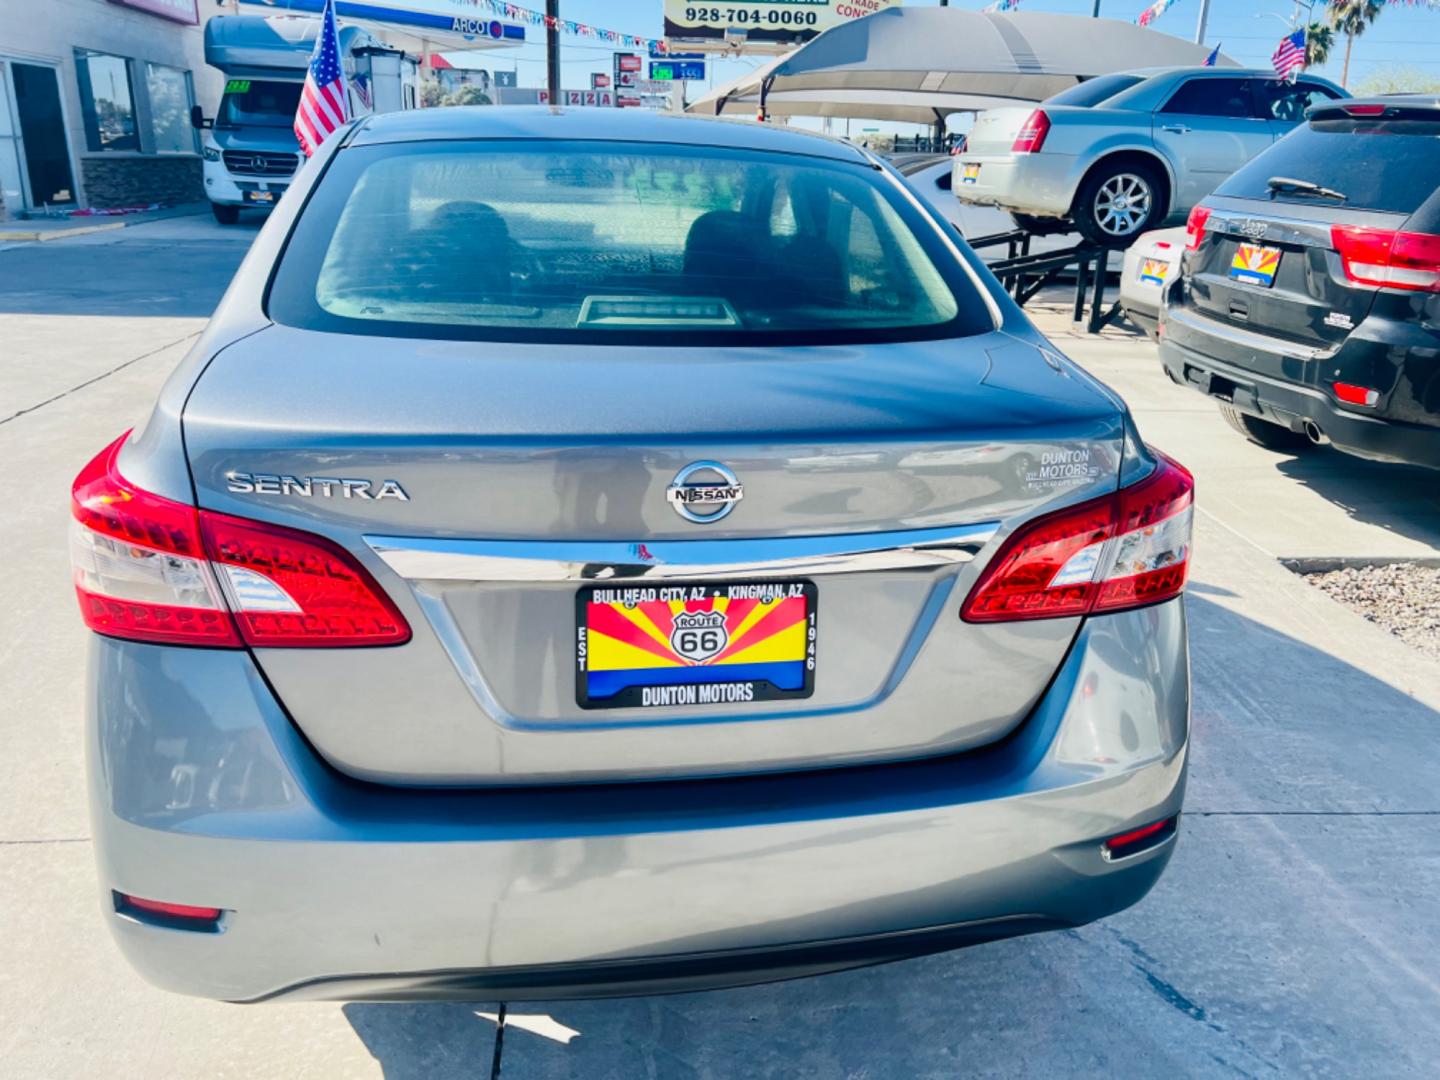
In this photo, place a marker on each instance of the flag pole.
(552, 49)
(1204, 18)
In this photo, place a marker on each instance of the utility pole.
(552, 50)
(1204, 18)
(1095, 11)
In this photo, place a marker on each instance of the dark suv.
(1309, 303)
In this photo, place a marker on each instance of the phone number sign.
(769, 20)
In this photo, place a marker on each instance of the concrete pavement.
(1294, 932)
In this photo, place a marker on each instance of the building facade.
(95, 99)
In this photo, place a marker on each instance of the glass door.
(12, 187)
(43, 144)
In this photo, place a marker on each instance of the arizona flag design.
(1255, 264)
(324, 104)
(695, 645)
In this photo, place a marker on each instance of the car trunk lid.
(995, 130)
(518, 475)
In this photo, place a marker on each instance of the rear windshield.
(607, 242)
(1351, 156)
(1093, 91)
(259, 104)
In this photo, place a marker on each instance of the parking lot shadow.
(1402, 499)
(1312, 805)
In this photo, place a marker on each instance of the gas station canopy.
(417, 26)
(920, 64)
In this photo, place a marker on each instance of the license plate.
(260, 196)
(647, 646)
(1255, 264)
(1154, 271)
(969, 174)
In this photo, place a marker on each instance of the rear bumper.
(1222, 368)
(202, 793)
(1042, 184)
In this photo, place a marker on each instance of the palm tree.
(1351, 17)
(1319, 40)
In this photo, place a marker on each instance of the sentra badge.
(326, 487)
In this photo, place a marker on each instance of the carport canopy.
(920, 64)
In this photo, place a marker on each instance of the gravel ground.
(1403, 598)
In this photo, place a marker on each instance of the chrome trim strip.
(452, 640)
(423, 559)
(1246, 339)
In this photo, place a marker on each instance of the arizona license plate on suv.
(1255, 264)
(640, 646)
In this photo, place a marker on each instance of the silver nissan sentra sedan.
(596, 553)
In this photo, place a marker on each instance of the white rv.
(249, 146)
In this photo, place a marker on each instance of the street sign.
(677, 70)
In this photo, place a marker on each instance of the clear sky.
(1247, 30)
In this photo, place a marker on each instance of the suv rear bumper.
(203, 793)
(1188, 353)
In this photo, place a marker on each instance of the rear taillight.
(295, 589)
(151, 569)
(1388, 259)
(1195, 227)
(1031, 138)
(1124, 550)
(140, 569)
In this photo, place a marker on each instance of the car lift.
(1023, 274)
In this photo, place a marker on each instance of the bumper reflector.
(1356, 395)
(164, 913)
(1137, 840)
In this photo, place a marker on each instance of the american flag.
(324, 105)
(1289, 56)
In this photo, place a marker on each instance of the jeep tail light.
(1031, 138)
(1120, 551)
(150, 569)
(1195, 227)
(1388, 259)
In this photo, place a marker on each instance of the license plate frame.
(1255, 264)
(970, 174)
(261, 198)
(1153, 271)
(620, 625)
